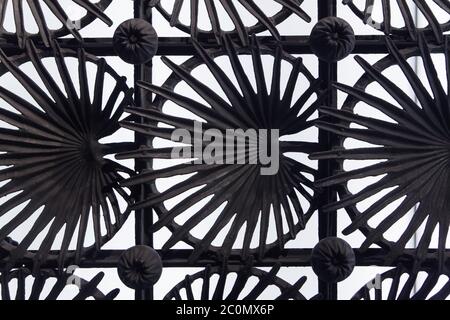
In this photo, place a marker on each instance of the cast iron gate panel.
(56, 160)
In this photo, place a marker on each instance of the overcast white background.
(349, 72)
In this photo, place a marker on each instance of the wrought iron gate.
(58, 172)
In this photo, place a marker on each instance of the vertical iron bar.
(144, 217)
(327, 220)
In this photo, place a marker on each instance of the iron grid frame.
(182, 46)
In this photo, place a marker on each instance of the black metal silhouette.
(389, 285)
(434, 26)
(34, 290)
(54, 156)
(414, 147)
(244, 190)
(135, 41)
(289, 7)
(94, 11)
(332, 39)
(243, 274)
(30, 164)
(139, 267)
(333, 260)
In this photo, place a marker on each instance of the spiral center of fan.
(91, 151)
(139, 267)
(133, 38)
(337, 261)
(335, 36)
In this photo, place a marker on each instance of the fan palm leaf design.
(243, 275)
(430, 289)
(413, 148)
(410, 28)
(264, 22)
(34, 289)
(52, 158)
(247, 195)
(94, 11)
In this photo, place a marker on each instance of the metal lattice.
(65, 99)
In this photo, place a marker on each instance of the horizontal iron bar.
(291, 44)
(182, 46)
(291, 258)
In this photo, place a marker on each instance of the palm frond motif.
(389, 285)
(35, 287)
(247, 196)
(52, 161)
(95, 10)
(435, 27)
(238, 286)
(243, 31)
(413, 149)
